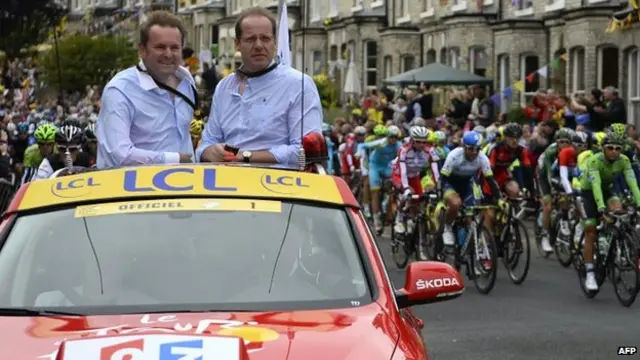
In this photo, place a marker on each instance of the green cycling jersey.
(33, 157)
(600, 174)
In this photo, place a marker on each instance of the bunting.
(624, 19)
(519, 85)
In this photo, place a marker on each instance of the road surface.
(547, 317)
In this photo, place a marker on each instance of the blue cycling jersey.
(382, 153)
(331, 151)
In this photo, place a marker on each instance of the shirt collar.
(147, 83)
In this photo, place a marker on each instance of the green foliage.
(87, 61)
(24, 23)
(327, 90)
(517, 114)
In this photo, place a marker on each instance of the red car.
(203, 262)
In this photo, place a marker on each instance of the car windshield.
(181, 254)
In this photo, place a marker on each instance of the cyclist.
(501, 157)
(327, 132)
(412, 158)
(90, 145)
(45, 136)
(545, 175)
(598, 193)
(349, 162)
(379, 132)
(195, 128)
(458, 175)
(69, 139)
(382, 153)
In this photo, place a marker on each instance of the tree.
(86, 61)
(24, 23)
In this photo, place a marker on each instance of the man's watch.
(246, 156)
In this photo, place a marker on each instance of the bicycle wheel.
(427, 239)
(537, 232)
(564, 244)
(482, 256)
(402, 247)
(624, 258)
(517, 251)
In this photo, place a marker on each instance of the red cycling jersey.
(501, 157)
(567, 157)
(351, 146)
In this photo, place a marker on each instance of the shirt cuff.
(171, 158)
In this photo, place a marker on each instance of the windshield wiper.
(36, 312)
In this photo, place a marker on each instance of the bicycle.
(387, 210)
(418, 234)
(566, 220)
(476, 249)
(513, 240)
(615, 250)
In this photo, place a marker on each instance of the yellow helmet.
(597, 138)
(196, 127)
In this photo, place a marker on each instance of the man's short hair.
(254, 11)
(161, 18)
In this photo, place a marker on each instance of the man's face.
(257, 43)
(73, 150)
(163, 52)
(45, 148)
(607, 95)
(612, 152)
(511, 142)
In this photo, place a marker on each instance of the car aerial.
(203, 261)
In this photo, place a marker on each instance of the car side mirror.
(429, 282)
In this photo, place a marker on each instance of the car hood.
(357, 333)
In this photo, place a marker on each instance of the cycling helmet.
(69, 135)
(23, 127)
(563, 134)
(480, 130)
(90, 131)
(380, 130)
(619, 129)
(360, 131)
(613, 139)
(472, 138)
(45, 133)
(196, 127)
(513, 130)
(597, 138)
(393, 131)
(441, 136)
(579, 138)
(419, 133)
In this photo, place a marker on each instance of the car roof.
(184, 180)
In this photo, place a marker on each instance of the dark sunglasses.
(420, 142)
(613, 148)
(563, 142)
(472, 148)
(63, 149)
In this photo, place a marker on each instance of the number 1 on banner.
(130, 350)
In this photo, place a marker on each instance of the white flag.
(543, 71)
(284, 54)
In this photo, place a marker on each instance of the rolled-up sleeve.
(312, 113)
(212, 133)
(113, 129)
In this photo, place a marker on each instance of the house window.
(454, 57)
(371, 63)
(317, 62)
(431, 56)
(315, 10)
(504, 81)
(608, 67)
(215, 34)
(633, 85)
(529, 64)
(478, 60)
(525, 4)
(408, 63)
(443, 56)
(388, 66)
(576, 63)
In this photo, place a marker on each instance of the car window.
(298, 256)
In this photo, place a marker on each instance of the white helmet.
(360, 130)
(419, 133)
(393, 131)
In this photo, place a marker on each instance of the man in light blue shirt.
(140, 121)
(258, 110)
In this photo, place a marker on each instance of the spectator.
(146, 110)
(615, 111)
(258, 109)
